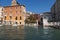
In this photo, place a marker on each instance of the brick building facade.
(14, 14)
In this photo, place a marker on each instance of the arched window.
(10, 17)
(16, 23)
(5, 17)
(20, 18)
(20, 22)
(16, 18)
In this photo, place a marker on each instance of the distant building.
(55, 9)
(1, 14)
(47, 18)
(37, 17)
(41, 17)
(28, 14)
(14, 14)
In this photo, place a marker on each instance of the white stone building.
(1, 14)
(47, 19)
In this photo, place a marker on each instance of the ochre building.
(14, 14)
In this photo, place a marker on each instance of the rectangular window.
(16, 23)
(16, 18)
(5, 17)
(20, 18)
(10, 17)
(20, 22)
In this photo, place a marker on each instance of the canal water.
(29, 33)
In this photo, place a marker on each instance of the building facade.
(55, 9)
(47, 19)
(14, 14)
(1, 14)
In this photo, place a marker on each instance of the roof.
(14, 6)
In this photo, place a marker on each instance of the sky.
(35, 6)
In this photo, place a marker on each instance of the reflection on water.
(47, 33)
(11, 33)
(42, 33)
(28, 33)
